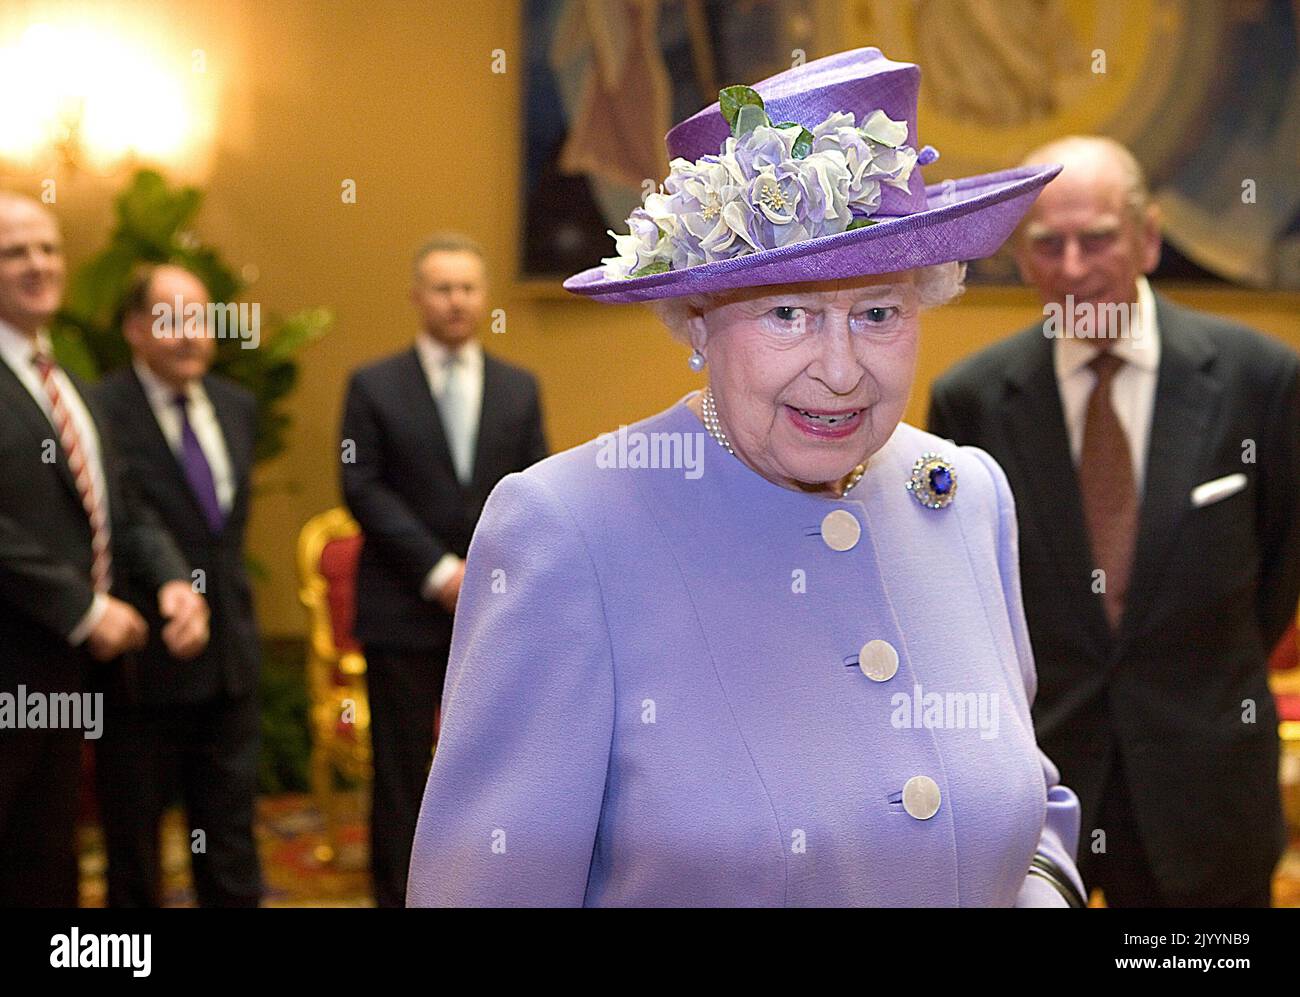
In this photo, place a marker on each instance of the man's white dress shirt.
(1133, 390)
(203, 420)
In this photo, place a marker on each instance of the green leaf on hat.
(804, 143)
(732, 99)
(859, 223)
(749, 117)
(658, 266)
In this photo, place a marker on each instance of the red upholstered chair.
(1287, 653)
(328, 548)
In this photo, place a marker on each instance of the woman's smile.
(825, 424)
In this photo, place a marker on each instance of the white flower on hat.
(769, 186)
(648, 243)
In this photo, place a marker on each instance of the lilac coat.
(654, 698)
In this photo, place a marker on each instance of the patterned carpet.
(296, 852)
(1286, 884)
(295, 857)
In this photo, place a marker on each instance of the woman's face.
(811, 379)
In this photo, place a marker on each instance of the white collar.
(18, 349)
(160, 393)
(433, 354)
(1141, 348)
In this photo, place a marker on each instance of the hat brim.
(965, 219)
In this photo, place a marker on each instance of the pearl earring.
(696, 361)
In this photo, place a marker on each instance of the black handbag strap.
(1041, 865)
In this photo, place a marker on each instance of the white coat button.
(841, 529)
(921, 797)
(878, 660)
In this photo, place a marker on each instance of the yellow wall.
(400, 97)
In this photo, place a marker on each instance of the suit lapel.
(425, 410)
(490, 419)
(238, 448)
(1187, 402)
(1035, 424)
(26, 408)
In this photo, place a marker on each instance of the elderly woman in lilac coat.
(767, 646)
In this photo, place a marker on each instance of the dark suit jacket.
(1211, 592)
(45, 555)
(403, 490)
(230, 663)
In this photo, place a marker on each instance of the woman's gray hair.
(937, 285)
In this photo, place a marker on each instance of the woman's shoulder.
(980, 478)
(585, 479)
(979, 522)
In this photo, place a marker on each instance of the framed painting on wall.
(1207, 96)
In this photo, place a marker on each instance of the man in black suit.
(73, 539)
(1155, 460)
(427, 434)
(193, 728)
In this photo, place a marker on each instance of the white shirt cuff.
(98, 607)
(439, 576)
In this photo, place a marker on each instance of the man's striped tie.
(101, 567)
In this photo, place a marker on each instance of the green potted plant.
(153, 225)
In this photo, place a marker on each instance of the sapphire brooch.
(933, 482)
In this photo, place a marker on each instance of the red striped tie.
(100, 570)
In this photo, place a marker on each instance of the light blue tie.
(457, 419)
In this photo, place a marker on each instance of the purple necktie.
(197, 470)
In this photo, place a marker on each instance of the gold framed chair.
(1284, 681)
(328, 547)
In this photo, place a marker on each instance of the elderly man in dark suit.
(1154, 454)
(427, 434)
(73, 541)
(193, 728)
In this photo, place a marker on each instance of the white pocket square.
(1218, 489)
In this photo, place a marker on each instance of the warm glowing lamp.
(89, 97)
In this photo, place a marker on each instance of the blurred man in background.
(1154, 454)
(73, 539)
(192, 727)
(427, 434)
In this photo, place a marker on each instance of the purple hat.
(809, 176)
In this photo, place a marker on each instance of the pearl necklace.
(714, 426)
